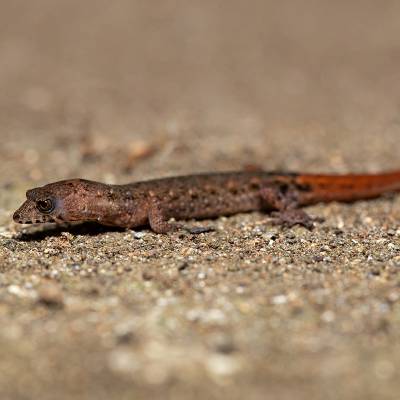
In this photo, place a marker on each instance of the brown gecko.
(155, 202)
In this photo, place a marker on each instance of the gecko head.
(56, 202)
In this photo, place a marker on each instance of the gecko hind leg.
(292, 217)
(285, 204)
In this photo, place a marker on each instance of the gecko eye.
(45, 206)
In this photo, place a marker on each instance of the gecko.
(155, 202)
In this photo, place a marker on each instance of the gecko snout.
(18, 218)
(24, 214)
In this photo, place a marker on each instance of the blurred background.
(123, 90)
(91, 88)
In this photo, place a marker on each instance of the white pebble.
(279, 299)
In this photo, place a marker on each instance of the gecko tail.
(346, 188)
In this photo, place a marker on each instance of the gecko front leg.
(158, 221)
(158, 218)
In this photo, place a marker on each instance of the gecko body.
(155, 202)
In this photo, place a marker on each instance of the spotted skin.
(155, 202)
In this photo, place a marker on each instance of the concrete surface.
(119, 91)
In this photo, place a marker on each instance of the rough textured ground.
(118, 91)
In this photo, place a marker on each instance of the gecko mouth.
(37, 221)
(32, 221)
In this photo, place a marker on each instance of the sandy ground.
(119, 91)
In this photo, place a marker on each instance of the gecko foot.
(291, 217)
(166, 227)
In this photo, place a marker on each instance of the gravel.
(243, 308)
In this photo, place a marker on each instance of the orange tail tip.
(347, 188)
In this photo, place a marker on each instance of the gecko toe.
(290, 218)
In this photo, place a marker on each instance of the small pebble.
(139, 235)
(279, 299)
(201, 229)
(51, 295)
